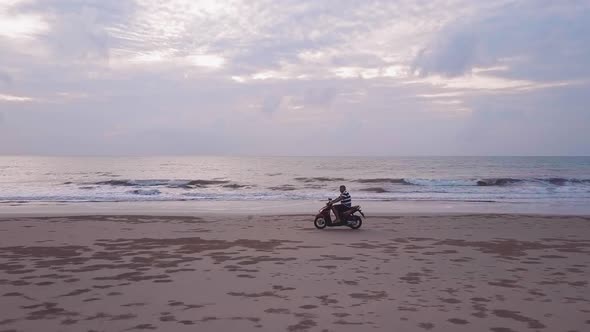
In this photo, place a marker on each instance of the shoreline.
(261, 208)
(283, 215)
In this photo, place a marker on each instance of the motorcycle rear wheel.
(357, 223)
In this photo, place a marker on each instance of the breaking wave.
(318, 179)
(383, 180)
(146, 192)
(167, 183)
(543, 181)
(473, 182)
(377, 190)
(286, 187)
(498, 182)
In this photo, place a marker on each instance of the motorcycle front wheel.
(320, 223)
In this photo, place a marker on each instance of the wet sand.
(497, 273)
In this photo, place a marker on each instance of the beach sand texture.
(497, 273)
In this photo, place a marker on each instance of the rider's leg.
(346, 214)
(336, 214)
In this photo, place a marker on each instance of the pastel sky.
(293, 77)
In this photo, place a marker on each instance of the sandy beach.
(468, 272)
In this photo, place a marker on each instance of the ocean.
(565, 180)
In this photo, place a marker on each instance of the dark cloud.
(452, 55)
(319, 96)
(5, 79)
(539, 40)
(271, 103)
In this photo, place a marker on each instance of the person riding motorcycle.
(345, 203)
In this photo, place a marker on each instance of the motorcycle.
(348, 218)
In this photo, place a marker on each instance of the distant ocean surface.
(121, 179)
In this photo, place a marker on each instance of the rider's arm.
(337, 199)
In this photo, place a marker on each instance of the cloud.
(13, 98)
(292, 77)
(15, 25)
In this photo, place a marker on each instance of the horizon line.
(274, 156)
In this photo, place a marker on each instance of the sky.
(294, 77)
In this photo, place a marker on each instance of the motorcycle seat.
(353, 209)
